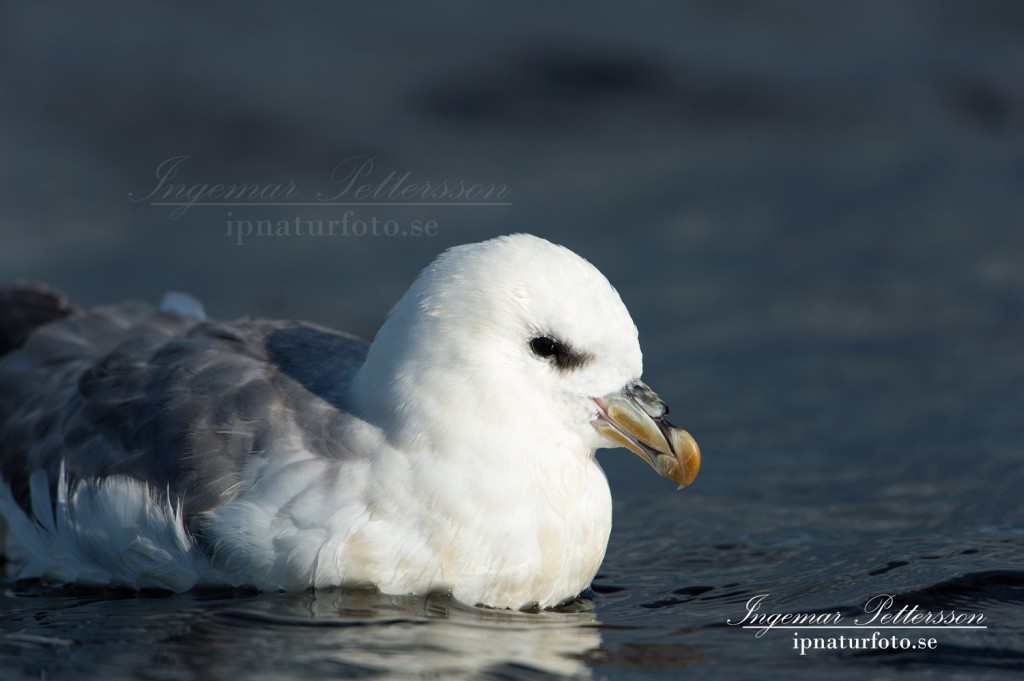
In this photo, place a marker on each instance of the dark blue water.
(814, 212)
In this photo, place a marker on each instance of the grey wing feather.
(26, 306)
(170, 400)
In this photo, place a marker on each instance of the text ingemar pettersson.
(355, 184)
(876, 627)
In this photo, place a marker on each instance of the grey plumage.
(26, 307)
(168, 399)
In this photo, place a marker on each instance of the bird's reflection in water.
(363, 633)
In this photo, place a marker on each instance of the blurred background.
(814, 211)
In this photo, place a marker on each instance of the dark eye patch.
(558, 353)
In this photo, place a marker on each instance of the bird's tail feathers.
(26, 306)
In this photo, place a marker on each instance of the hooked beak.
(635, 418)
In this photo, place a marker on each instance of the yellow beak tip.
(687, 456)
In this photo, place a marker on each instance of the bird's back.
(176, 402)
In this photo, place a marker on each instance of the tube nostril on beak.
(648, 400)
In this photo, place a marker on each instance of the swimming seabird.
(150, 447)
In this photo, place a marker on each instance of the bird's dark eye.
(543, 346)
(558, 353)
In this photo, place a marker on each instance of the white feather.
(112, 531)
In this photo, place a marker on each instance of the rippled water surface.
(659, 608)
(815, 213)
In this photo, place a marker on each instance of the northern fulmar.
(150, 447)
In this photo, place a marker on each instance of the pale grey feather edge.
(178, 403)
